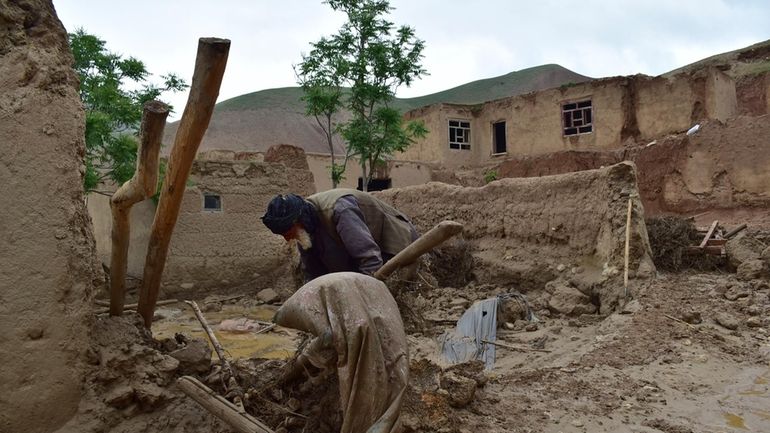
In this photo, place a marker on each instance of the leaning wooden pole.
(140, 187)
(207, 78)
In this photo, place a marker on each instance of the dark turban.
(284, 211)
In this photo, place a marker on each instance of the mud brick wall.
(231, 247)
(521, 230)
(47, 259)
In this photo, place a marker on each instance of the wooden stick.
(709, 234)
(140, 187)
(217, 347)
(207, 78)
(265, 329)
(131, 307)
(434, 237)
(241, 422)
(628, 248)
(735, 231)
(520, 348)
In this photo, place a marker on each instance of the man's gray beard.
(303, 239)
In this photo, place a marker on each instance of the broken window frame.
(495, 144)
(218, 202)
(577, 117)
(457, 142)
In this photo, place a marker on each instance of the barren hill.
(256, 121)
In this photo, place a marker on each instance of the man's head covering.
(284, 211)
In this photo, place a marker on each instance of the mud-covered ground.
(644, 369)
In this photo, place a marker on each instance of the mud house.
(594, 115)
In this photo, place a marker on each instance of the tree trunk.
(138, 188)
(364, 177)
(207, 78)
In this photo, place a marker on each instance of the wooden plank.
(716, 242)
(735, 231)
(709, 234)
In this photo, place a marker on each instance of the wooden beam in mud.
(241, 422)
(709, 233)
(207, 79)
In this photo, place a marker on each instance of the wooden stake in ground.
(228, 369)
(140, 187)
(207, 78)
(220, 407)
(628, 244)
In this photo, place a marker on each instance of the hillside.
(751, 60)
(256, 121)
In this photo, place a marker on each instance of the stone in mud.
(150, 396)
(754, 322)
(727, 321)
(752, 269)
(120, 397)
(570, 301)
(268, 296)
(194, 358)
(692, 317)
(461, 389)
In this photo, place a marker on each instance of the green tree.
(371, 58)
(113, 90)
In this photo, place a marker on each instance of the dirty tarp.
(362, 319)
(463, 344)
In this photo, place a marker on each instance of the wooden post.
(628, 245)
(140, 187)
(241, 422)
(207, 78)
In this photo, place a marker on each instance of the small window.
(498, 138)
(460, 134)
(577, 117)
(212, 202)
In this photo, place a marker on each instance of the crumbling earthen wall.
(721, 166)
(753, 94)
(231, 246)
(526, 231)
(47, 262)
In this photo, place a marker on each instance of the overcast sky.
(465, 40)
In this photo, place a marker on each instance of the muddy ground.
(643, 369)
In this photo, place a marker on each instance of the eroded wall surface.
(47, 261)
(231, 247)
(521, 230)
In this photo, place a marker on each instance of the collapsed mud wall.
(528, 231)
(47, 261)
(230, 246)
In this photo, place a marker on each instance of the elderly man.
(340, 230)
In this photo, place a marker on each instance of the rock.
(268, 296)
(461, 389)
(531, 327)
(150, 396)
(735, 292)
(727, 321)
(195, 357)
(631, 307)
(520, 325)
(753, 310)
(570, 301)
(509, 326)
(555, 330)
(187, 286)
(743, 248)
(561, 267)
(577, 423)
(754, 322)
(692, 317)
(120, 397)
(293, 404)
(751, 269)
(212, 306)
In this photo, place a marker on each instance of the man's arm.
(356, 237)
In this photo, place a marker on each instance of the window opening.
(212, 202)
(375, 184)
(577, 117)
(459, 134)
(498, 138)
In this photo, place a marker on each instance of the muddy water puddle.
(745, 404)
(278, 343)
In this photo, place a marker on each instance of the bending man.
(340, 230)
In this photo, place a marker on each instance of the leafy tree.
(372, 58)
(113, 90)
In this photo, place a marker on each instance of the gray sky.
(465, 40)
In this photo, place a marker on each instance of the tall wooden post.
(140, 187)
(207, 78)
